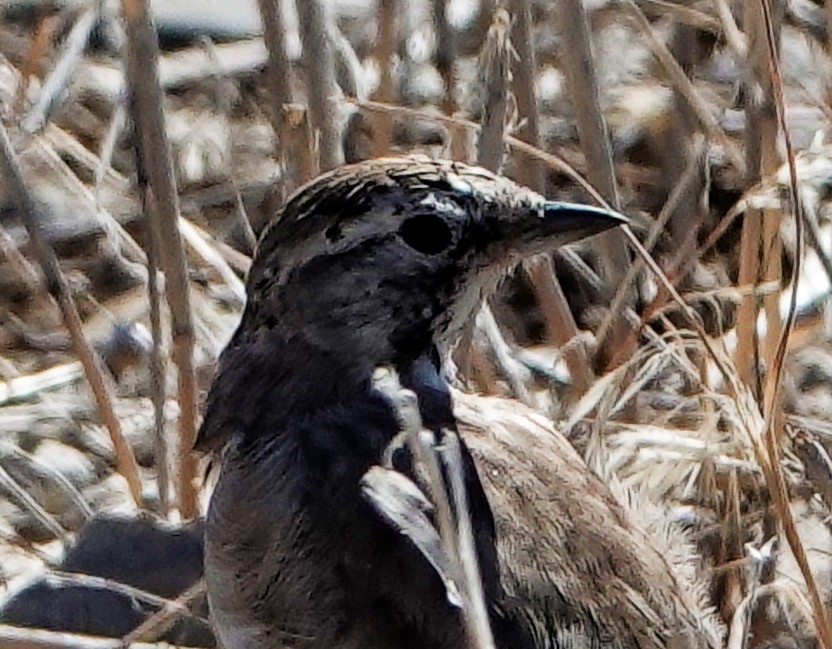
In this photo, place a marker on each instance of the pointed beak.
(568, 222)
(558, 224)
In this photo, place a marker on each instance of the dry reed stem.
(12, 637)
(277, 65)
(721, 363)
(201, 244)
(37, 48)
(155, 159)
(683, 85)
(774, 428)
(56, 476)
(815, 239)
(477, 623)
(94, 371)
(429, 454)
(19, 265)
(769, 163)
(242, 218)
(444, 55)
(161, 620)
(656, 230)
(495, 82)
(577, 65)
(55, 138)
(582, 86)
(28, 503)
(733, 36)
(482, 21)
(730, 553)
(193, 235)
(828, 7)
(560, 324)
(691, 209)
(385, 49)
(682, 15)
(422, 445)
(349, 73)
(56, 82)
(715, 235)
(158, 369)
(488, 336)
(453, 521)
(178, 70)
(581, 268)
(224, 106)
(551, 160)
(444, 58)
(437, 459)
(772, 248)
(495, 90)
(523, 70)
(319, 73)
(738, 634)
(62, 578)
(238, 261)
(761, 160)
(750, 356)
(733, 292)
(299, 158)
(108, 147)
(23, 387)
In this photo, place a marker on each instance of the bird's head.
(380, 260)
(379, 263)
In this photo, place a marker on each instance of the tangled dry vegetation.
(698, 379)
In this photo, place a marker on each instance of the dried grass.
(709, 425)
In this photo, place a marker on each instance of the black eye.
(334, 233)
(428, 234)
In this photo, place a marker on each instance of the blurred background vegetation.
(140, 160)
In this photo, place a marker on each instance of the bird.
(380, 264)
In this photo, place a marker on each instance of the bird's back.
(576, 568)
(310, 567)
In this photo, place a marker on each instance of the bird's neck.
(267, 381)
(273, 379)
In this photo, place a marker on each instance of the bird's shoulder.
(569, 548)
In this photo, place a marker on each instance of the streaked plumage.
(380, 264)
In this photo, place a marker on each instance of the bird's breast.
(295, 557)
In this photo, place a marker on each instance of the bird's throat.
(423, 377)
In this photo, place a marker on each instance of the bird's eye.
(334, 233)
(428, 234)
